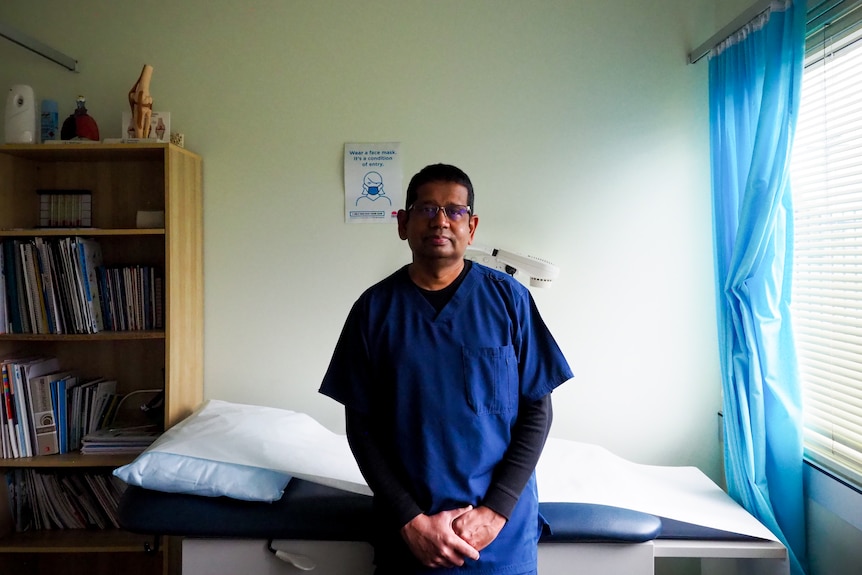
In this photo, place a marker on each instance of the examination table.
(324, 529)
(606, 515)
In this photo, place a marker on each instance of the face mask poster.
(372, 182)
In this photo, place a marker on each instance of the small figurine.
(142, 103)
(80, 125)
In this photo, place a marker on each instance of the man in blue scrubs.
(445, 369)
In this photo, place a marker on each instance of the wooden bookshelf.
(123, 179)
(77, 541)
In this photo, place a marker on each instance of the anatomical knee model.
(142, 103)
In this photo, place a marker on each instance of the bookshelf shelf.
(100, 336)
(68, 460)
(122, 179)
(91, 152)
(74, 541)
(90, 232)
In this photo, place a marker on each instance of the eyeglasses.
(453, 212)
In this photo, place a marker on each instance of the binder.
(43, 413)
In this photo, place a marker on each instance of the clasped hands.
(447, 538)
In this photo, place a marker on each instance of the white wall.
(584, 130)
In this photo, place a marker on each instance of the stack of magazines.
(42, 499)
(120, 440)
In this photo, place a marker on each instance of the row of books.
(58, 499)
(45, 410)
(60, 285)
(132, 298)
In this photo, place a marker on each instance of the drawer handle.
(301, 562)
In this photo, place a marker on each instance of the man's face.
(438, 237)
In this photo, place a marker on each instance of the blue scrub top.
(446, 388)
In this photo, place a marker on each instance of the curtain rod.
(38, 47)
(757, 8)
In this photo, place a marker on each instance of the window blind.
(826, 181)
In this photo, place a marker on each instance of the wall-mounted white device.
(541, 272)
(20, 115)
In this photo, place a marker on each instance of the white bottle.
(20, 115)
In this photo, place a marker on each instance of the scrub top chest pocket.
(491, 379)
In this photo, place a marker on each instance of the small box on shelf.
(150, 219)
(65, 208)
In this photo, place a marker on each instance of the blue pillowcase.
(197, 476)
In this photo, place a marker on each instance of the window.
(826, 180)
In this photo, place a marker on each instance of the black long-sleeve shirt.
(510, 476)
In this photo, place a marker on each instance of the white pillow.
(244, 452)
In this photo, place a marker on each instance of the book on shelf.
(52, 251)
(69, 251)
(71, 516)
(72, 284)
(102, 397)
(10, 408)
(17, 500)
(21, 500)
(13, 320)
(90, 259)
(46, 300)
(16, 405)
(4, 417)
(24, 373)
(47, 268)
(107, 490)
(87, 401)
(46, 508)
(4, 313)
(15, 287)
(43, 412)
(23, 428)
(33, 288)
(81, 492)
(60, 388)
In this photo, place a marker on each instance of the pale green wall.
(585, 132)
(582, 125)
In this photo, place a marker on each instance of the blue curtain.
(754, 86)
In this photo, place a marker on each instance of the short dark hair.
(439, 173)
